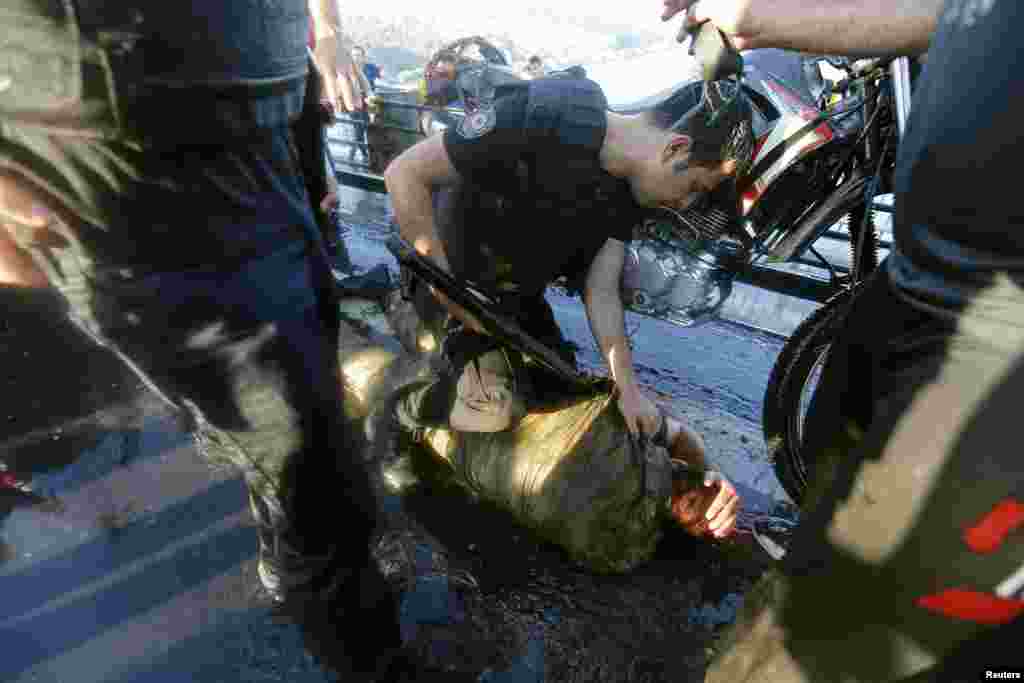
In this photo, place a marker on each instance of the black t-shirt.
(531, 206)
(959, 218)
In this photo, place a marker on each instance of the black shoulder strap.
(573, 111)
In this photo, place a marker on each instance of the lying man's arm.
(608, 324)
(848, 27)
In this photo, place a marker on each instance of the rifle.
(482, 307)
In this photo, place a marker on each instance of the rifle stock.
(477, 304)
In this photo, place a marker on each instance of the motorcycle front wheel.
(791, 387)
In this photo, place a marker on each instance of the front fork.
(900, 84)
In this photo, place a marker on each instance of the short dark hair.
(535, 60)
(727, 135)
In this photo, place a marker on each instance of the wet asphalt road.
(136, 560)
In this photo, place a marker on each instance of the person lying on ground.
(909, 562)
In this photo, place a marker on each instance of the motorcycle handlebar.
(863, 66)
(858, 70)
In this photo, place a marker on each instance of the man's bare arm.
(410, 180)
(330, 56)
(849, 27)
(605, 313)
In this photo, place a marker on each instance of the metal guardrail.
(801, 286)
(361, 181)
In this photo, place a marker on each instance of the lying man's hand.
(710, 509)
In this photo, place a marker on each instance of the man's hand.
(711, 509)
(358, 103)
(844, 27)
(674, 7)
(19, 209)
(640, 412)
(330, 201)
(732, 17)
(467, 319)
(327, 110)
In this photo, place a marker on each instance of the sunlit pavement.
(144, 572)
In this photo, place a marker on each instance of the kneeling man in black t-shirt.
(544, 183)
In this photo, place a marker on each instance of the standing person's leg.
(202, 264)
(309, 132)
(897, 561)
(362, 136)
(261, 384)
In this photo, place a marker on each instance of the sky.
(624, 82)
(643, 15)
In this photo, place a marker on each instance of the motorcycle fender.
(793, 130)
(801, 142)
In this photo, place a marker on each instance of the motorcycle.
(805, 167)
(809, 169)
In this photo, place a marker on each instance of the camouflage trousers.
(909, 560)
(193, 252)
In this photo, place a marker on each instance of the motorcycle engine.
(680, 271)
(681, 265)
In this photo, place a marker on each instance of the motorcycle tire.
(786, 397)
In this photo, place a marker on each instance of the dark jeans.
(312, 145)
(359, 147)
(200, 262)
(914, 427)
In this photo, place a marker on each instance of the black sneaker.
(282, 569)
(284, 572)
